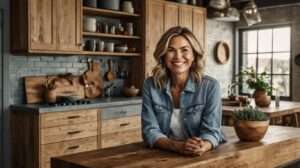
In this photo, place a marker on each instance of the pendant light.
(228, 14)
(251, 14)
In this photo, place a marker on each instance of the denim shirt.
(200, 103)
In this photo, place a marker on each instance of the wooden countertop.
(281, 145)
(286, 107)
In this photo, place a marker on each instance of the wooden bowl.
(250, 130)
(130, 91)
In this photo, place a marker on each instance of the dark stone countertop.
(95, 103)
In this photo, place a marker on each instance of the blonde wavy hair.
(160, 71)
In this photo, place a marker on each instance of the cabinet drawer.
(120, 111)
(68, 147)
(120, 124)
(69, 132)
(66, 118)
(120, 138)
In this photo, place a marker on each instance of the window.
(269, 50)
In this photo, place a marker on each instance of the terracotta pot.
(261, 98)
(251, 130)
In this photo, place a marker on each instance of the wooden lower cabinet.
(120, 131)
(36, 137)
(65, 148)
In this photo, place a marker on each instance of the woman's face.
(179, 56)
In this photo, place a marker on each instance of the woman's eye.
(185, 50)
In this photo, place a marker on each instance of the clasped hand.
(193, 146)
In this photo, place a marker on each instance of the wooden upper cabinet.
(199, 23)
(186, 17)
(42, 25)
(68, 25)
(46, 26)
(170, 16)
(154, 30)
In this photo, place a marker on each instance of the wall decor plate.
(297, 59)
(222, 52)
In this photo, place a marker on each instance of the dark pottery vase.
(261, 98)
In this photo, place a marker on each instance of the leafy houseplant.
(257, 82)
(250, 124)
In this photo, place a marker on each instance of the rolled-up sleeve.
(150, 127)
(210, 127)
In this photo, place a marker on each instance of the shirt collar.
(189, 87)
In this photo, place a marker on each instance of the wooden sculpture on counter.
(93, 84)
(65, 85)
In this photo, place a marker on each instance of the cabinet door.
(171, 15)
(199, 17)
(68, 16)
(186, 17)
(154, 30)
(42, 32)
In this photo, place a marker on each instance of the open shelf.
(111, 53)
(90, 34)
(107, 12)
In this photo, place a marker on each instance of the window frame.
(241, 54)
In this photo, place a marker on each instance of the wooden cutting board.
(93, 81)
(35, 88)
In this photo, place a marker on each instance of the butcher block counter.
(280, 146)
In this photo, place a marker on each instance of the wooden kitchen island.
(280, 146)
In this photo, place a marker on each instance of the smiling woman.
(181, 107)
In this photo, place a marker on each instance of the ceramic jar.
(109, 4)
(129, 29)
(89, 24)
(110, 46)
(127, 7)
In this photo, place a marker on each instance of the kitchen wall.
(285, 15)
(220, 31)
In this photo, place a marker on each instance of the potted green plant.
(250, 124)
(257, 82)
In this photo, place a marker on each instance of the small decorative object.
(110, 46)
(105, 28)
(120, 29)
(129, 29)
(182, 1)
(193, 2)
(127, 7)
(277, 98)
(257, 82)
(130, 91)
(112, 29)
(89, 24)
(90, 45)
(90, 3)
(222, 52)
(297, 59)
(218, 4)
(121, 48)
(100, 45)
(109, 4)
(250, 124)
(131, 49)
